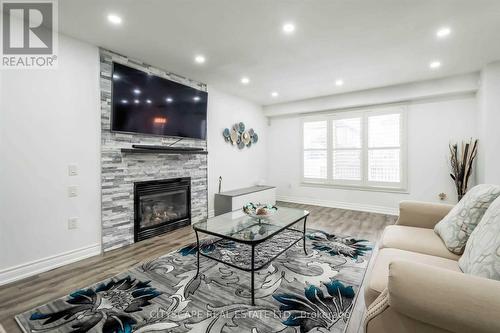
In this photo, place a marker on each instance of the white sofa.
(416, 285)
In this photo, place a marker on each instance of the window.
(315, 153)
(347, 150)
(384, 148)
(358, 149)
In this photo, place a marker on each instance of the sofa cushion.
(456, 227)
(482, 252)
(377, 280)
(421, 240)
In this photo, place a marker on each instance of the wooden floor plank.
(42, 288)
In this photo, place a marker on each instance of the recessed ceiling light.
(443, 32)
(169, 99)
(136, 91)
(199, 59)
(274, 94)
(288, 28)
(124, 101)
(435, 64)
(339, 82)
(245, 80)
(136, 101)
(115, 19)
(149, 101)
(196, 98)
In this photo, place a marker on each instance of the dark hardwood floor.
(25, 294)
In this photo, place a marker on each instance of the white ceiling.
(367, 43)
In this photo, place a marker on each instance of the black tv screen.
(148, 104)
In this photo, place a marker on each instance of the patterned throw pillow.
(482, 252)
(456, 227)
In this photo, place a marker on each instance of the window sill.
(355, 187)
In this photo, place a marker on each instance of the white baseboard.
(339, 204)
(22, 271)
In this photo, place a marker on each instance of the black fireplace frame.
(159, 186)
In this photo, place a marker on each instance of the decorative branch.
(461, 162)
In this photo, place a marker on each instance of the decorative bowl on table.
(259, 211)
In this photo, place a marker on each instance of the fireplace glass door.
(162, 208)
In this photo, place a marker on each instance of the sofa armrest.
(450, 300)
(379, 305)
(421, 214)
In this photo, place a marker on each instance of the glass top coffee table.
(248, 243)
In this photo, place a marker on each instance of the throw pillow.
(482, 252)
(456, 227)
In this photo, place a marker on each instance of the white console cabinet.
(229, 201)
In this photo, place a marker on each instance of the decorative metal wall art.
(239, 137)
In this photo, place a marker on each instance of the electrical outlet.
(72, 191)
(73, 223)
(72, 170)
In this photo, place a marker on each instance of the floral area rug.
(294, 293)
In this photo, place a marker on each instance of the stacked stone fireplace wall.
(119, 170)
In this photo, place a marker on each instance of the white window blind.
(360, 149)
(315, 149)
(384, 148)
(346, 149)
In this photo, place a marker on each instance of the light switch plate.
(72, 170)
(72, 191)
(73, 223)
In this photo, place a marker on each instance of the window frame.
(362, 184)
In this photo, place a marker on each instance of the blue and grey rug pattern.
(294, 293)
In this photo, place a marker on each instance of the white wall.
(238, 168)
(49, 119)
(488, 125)
(431, 126)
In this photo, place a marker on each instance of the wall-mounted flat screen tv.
(148, 104)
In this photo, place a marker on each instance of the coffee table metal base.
(252, 269)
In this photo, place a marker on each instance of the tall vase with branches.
(462, 160)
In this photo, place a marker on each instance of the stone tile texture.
(119, 170)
